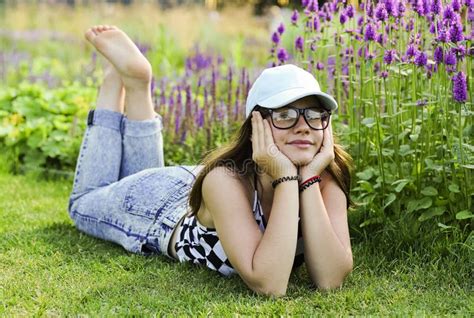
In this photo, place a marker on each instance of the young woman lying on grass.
(275, 197)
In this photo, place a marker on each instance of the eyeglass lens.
(286, 118)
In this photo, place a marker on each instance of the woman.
(279, 190)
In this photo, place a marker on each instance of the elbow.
(336, 281)
(271, 291)
(269, 288)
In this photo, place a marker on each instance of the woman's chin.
(301, 161)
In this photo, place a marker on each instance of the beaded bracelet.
(305, 185)
(283, 179)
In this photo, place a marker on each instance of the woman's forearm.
(327, 259)
(274, 256)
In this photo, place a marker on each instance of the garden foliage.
(402, 75)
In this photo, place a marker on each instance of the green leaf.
(436, 211)
(444, 226)
(400, 184)
(465, 214)
(377, 220)
(390, 198)
(424, 203)
(468, 166)
(430, 191)
(368, 122)
(453, 187)
(366, 174)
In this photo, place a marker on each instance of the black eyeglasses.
(287, 117)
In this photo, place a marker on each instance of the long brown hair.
(237, 156)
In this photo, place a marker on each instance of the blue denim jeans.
(122, 192)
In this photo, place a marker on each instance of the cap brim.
(290, 95)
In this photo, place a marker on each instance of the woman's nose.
(301, 124)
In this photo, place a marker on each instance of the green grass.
(49, 268)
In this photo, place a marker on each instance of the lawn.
(49, 268)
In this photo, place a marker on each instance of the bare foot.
(124, 55)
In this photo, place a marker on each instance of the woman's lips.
(301, 143)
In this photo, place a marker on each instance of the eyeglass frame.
(301, 111)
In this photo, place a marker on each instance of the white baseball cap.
(281, 85)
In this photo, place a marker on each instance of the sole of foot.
(122, 53)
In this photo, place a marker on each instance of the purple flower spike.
(342, 18)
(448, 14)
(294, 17)
(281, 28)
(350, 11)
(384, 74)
(369, 34)
(299, 44)
(450, 58)
(456, 4)
(319, 66)
(421, 58)
(304, 3)
(275, 38)
(438, 54)
(282, 55)
(436, 7)
(381, 13)
(442, 35)
(460, 87)
(455, 32)
(411, 51)
(401, 8)
(316, 24)
(389, 56)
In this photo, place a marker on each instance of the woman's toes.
(90, 34)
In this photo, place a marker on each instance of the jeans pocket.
(155, 193)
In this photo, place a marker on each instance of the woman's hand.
(323, 158)
(265, 153)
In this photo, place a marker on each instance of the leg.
(132, 66)
(101, 150)
(142, 139)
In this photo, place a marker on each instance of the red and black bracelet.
(306, 184)
(283, 179)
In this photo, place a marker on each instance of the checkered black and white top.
(201, 245)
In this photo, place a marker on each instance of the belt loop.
(90, 118)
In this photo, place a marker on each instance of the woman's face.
(299, 143)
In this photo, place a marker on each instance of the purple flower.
(342, 18)
(381, 13)
(316, 24)
(401, 8)
(384, 74)
(360, 20)
(299, 44)
(294, 17)
(450, 58)
(460, 87)
(381, 39)
(304, 3)
(448, 14)
(436, 7)
(389, 56)
(282, 55)
(411, 51)
(410, 25)
(438, 54)
(456, 5)
(275, 38)
(319, 66)
(420, 7)
(389, 6)
(421, 58)
(369, 34)
(312, 47)
(421, 102)
(281, 28)
(350, 11)
(432, 28)
(442, 35)
(455, 32)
